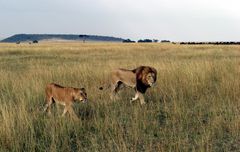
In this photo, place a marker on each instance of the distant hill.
(54, 37)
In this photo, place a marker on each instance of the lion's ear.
(155, 74)
(83, 89)
(139, 73)
(139, 76)
(154, 71)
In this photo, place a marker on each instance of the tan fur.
(140, 79)
(65, 96)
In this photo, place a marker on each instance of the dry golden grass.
(194, 107)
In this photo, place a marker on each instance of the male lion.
(140, 79)
(65, 96)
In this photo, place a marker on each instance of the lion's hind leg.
(115, 88)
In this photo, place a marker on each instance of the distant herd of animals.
(210, 43)
(182, 43)
(140, 79)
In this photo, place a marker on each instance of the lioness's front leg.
(64, 111)
(71, 112)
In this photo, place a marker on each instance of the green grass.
(195, 105)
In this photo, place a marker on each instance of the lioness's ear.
(83, 89)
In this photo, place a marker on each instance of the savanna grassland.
(195, 105)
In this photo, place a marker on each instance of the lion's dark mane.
(142, 71)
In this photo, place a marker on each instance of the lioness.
(140, 79)
(65, 96)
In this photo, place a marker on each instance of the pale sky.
(176, 20)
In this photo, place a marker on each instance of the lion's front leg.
(141, 97)
(135, 98)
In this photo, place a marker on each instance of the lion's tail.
(104, 87)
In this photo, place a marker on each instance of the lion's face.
(150, 79)
(82, 95)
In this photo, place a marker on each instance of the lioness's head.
(81, 95)
(151, 78)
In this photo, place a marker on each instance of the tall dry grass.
(194, 107)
